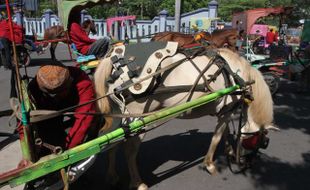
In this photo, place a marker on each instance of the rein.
(40, 115)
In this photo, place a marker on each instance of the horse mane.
(261, 109)
(102, 73)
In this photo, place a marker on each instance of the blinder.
(256, 140)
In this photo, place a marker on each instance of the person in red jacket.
(84, 44)
(270, 37)
(5, 31)
(57, 87)
(6, 40)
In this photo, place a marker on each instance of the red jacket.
(80, 38)
(270, 37)
(5, 31)
(53, 130)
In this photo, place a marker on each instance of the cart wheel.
(273, 81)
(27, 59)
(24, 58)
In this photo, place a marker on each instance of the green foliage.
(228, 7)
(148, 9)
(47, 4)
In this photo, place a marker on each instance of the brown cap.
(53, 78)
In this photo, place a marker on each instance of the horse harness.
(153, 78)
(134, 87)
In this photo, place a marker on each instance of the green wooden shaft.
(53, 163)
(24, 142)
(174, 111)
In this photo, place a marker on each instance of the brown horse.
(182, 39)
(58, 33)
(218, 39)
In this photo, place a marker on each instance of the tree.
(148, 9)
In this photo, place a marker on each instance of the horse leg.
(112, 178)
(131, 147)
(228, 147)
(52, 50)
(219, 130)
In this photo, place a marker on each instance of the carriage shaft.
(54, 162)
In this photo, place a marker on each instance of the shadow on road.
(292, 109)
(187, 149)
(271, 172)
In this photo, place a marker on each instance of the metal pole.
(25, 144)
(177, 15)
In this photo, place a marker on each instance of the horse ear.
(272, 127)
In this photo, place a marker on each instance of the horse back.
(54, 32)
(182, 39)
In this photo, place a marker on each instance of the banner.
(200, 23)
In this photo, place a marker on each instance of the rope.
(37, 115)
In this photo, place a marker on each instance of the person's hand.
(24, 163)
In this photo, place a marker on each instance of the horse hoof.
(142, 186)
(211, 168)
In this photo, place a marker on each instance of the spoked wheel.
(273, 81)
(24, 57)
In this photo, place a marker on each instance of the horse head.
(89, 26)
(258, 110)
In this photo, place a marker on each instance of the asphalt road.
(171, 156)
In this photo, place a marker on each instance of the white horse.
(259, 112)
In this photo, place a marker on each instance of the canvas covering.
(248, 18)
(67, 5)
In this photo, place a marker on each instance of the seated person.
(84, 44)
(57, 87)
(6, 39)
(18, 32)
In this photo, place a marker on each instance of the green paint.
(53, 163)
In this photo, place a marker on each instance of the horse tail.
(261, 108)
(102, 73)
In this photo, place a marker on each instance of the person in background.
(240, 40)
(80, 38)
(270, 37)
